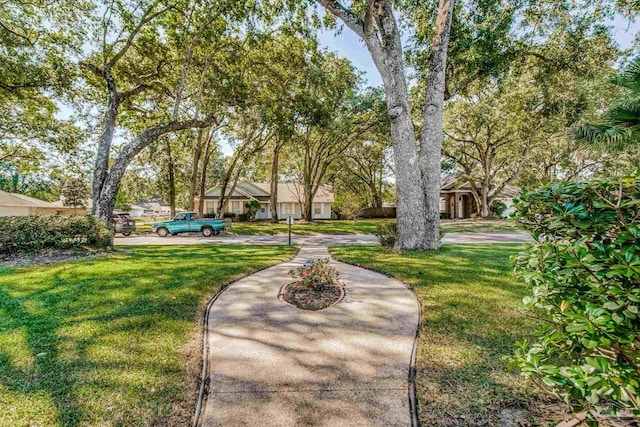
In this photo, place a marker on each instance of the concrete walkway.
(272, 364)
(310, 240)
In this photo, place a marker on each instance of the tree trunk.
(308, 204)
(225, 184)
(193, 178)
(431, 144)
(172, 181)
(208, 152)
(412, 232)
(376, 200)
(273, 198)
(203, 183)
(485, 196)
(103, 207)
(418, 178)
(104, 146)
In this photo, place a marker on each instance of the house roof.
(150, 206)
(452, 184)
(13, 199)
(288, 192)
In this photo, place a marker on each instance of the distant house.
(289, 203)
(149, 209)
(457, 201)
(12, 204)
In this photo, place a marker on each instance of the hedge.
(584, 270)
(35, 233)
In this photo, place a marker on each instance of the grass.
(364, 226)
(471, 320)
(360, 226)
(475, 225)
(112, 340)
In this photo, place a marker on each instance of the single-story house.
(149, 209)
(12, 204)
(289, 203)
(457, 201)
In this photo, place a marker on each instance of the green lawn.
(360, 226)
(113, 340)
(471, 319)
(364, 226)
(478, 225)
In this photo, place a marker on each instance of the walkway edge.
(205, 339)
(412, 393)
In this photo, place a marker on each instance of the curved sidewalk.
(271, 364)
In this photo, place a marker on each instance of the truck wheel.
(207, 231)
(126, 234)
(216, 232)
(162, 232)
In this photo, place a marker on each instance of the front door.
(461, 206)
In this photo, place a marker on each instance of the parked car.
(188, 222)
(125, 224)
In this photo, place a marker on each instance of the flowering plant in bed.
(316, 286)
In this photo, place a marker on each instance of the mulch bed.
(45, 257)
(307, 298)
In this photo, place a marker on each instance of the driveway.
(310, 240)
(272, 364)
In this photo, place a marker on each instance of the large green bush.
(387, 233)
(34, 233)
(584, 270)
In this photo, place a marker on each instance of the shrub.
(497, 208)
(387, 233)
(252, 206)
(210, 215)
(318, 275)
(584, 270)
(33, 233)
(229, 215)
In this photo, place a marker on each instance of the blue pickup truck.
(188, 222)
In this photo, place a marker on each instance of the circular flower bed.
(316, 287)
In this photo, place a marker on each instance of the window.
(262, 209)
(287, 208)
(443, 204)
(317, 208)
(180, 217)
(236, 207)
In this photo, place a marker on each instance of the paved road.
(311, 240)
(272, 364)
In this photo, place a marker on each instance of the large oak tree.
(418, 181)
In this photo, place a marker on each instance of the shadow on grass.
(471, 320)
(106, 341)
